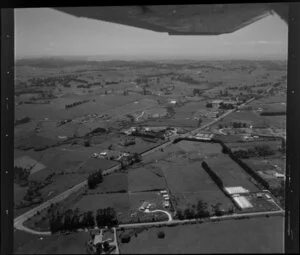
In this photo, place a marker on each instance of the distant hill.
(53, 62)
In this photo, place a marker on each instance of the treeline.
(21, 175)
(72, 220)
(239, 124)
(201, 211)
(22, 121)
(257, 151)
(188, 80)
(225, 106)
(213, 175)
(111, 82)
(130, 160)
(87, 86)
(243, 165)
(76, 103)
(279, 113)
(94, 179)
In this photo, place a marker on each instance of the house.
(163, 192)
(143, 206)
(166, 204)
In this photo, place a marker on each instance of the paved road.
(18, 221)
(225, 217)
(165, 212)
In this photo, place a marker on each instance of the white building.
(242, 202)
(235, 190)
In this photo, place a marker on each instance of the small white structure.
(242, 202)
(236, 190)
(166, 204)
(143, 206)
(97, 239)
(267, 196)
(103, 153)
(166, 197)
(163, 192)
(173, 102)
(278, 175)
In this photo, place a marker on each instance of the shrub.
(161, 234)
(125, 239)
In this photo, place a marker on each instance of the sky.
(45, 32)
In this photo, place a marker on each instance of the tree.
(161, 234)
(180, 215)
(87, 143)
(217, 210)
(209, 105)
(90, 219)
(106, 246)
(189, 214)
(98, 248)
(137, 157)
(202, 210)
(199, 122)
(125, 239)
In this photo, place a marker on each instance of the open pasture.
(231, 173)
(145, 179)
(183, 176)
(211, 197)
(257, 235)
(119, 201)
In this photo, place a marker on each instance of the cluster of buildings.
(146, 206)
(208, 113)
(110, 155)
(238, 198)
(165, 195)
(151, 131)
(204, 137)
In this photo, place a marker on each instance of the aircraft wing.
(210, 19)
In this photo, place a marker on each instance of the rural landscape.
(124, 157)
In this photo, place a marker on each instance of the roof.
(97, 239)
(242, 202)
(182, 19)
(236, 190)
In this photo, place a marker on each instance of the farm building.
(204, 136)
(144, 206)
(242, 202)
(235, 190)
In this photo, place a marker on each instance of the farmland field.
(145, 179)
(231, 173)
(119, 201)
(79, 108)
(55, 244)
(257, 235)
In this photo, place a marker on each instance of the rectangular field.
(145, 179)
(231, 173)
(256, 235)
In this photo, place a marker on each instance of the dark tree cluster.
(224, 106)
(71, 220)
(239, 125)
(22, 121)
(21, 175)
(67, 106)
(111, 82)
(269, 113)
(196, 92)
(208, 105)
(94, 179)
(106, 217)
(257, 151)
(212, 174)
